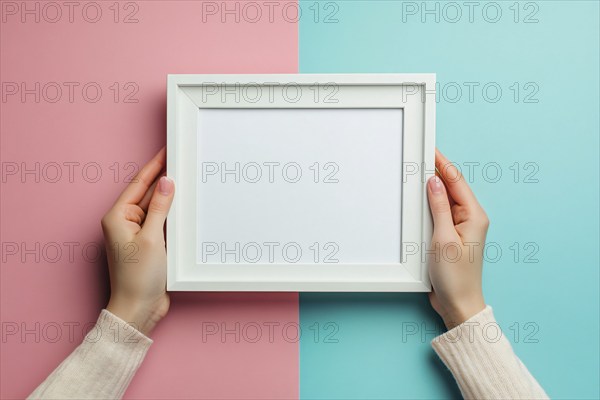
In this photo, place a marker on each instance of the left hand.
(135, 247)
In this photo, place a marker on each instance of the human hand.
(135, 247)
(460, 228)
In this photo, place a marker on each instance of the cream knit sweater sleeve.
(483, 362)
(102, 366)
(479, 356)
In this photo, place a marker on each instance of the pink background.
(169, 37)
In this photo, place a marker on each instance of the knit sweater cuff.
(102, 366)
(123, 348)
(113, 329)
(483, 362)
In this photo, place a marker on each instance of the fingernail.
(435, 184)
(165, 186)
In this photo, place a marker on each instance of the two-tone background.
(83, 107)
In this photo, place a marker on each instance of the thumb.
(159, 206)
(440, 207)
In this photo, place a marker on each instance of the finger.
(450, 199)
(146, 200)
(455, 183)
(138, 187)
(159, 207)
(440, 208)
(135, 214)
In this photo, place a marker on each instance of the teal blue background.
(559, 294)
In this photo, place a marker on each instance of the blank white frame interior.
(307, 182)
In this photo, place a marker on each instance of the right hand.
(460, 228)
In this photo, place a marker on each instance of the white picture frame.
(195, 103)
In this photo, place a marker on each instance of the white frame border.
(414, 93)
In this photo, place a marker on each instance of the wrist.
(137, 315)
(460, 314)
